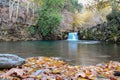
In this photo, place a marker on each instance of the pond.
(73, 52)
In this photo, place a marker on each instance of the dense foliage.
(49, 16)
(108, 31)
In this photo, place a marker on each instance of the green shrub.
(49, 16)
(32, 30)
(48, 23)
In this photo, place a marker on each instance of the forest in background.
(54, 19)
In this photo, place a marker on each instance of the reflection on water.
(72, 52)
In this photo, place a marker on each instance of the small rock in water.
(10, 61)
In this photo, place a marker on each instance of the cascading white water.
(72, 36)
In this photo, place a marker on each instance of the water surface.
(73, 52)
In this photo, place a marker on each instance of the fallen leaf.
(19, 72)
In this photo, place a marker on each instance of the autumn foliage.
(44, 68)
(81, 18)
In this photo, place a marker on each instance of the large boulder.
(10, 60)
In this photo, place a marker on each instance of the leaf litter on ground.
(50, 68)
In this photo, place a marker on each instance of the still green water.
(73, 52)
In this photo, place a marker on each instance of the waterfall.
(72, 36)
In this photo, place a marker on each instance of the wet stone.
(10, 61)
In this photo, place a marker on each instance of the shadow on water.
(74, 52)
